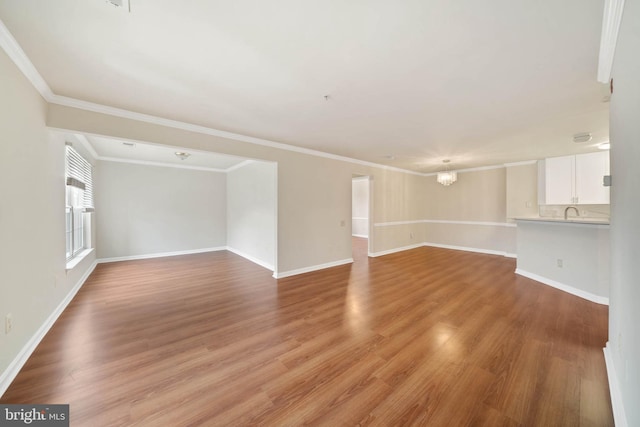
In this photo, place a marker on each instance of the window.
(79, 202)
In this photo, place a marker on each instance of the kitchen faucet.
(566, 211)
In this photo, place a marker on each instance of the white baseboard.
(566, 288)
(161, 254)
(7, 377)
(469, 249)
(394, 250)
(619, 416)
(283, 274)
(251, 258)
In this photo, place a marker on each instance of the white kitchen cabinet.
(574, 180)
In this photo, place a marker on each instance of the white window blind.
(78, 174)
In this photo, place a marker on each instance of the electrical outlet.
(411, 235)
(527, 204)
(8, 324)
(559, 262)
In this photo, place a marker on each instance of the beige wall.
(476, 196)
(471, 213)
(33, 280)
(522, 191)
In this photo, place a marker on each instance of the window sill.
(78, 258)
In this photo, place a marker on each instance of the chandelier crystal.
(447, 177)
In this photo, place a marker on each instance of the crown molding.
(240, 165)
(480, 168)
(527, 162)
(147, 118)
(611, 19)
(20, 58)
(165, 165)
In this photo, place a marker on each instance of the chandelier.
(447, 177)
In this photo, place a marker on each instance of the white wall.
(144, 210)
(623, 349)
(360, 207)
(33, 279)
(251, 212)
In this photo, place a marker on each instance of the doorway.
(361, 216)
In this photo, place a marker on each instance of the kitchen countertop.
(570, 220)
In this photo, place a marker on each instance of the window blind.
(78, 174)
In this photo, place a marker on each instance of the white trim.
(160, 164)
(87, 145)
(359, 218)
(492, 224)
(22, 61)
(360, 178)
(526, 162)
(477, 169)
(438, 221)
(394, 250)
(251, 258)
(73, 262)
(470, 249)
(161, 254)
(82, 138)
(364, 236)
(617, 404)
(160, 121)
(566, 288)
(510, 255)
(9, 374)
(309, 269)
(239, 165)
(20, 58)
(611, 19)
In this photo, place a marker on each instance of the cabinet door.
(590, 170)
(559, 185)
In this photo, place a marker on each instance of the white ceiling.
(109, 149)
(479, 82)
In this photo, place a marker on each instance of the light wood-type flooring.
(423, 337)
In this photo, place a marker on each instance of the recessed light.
(582, 137)
(129, 144)
(182, 155)
(604, 146)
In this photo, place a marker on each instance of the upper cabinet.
(574, 180)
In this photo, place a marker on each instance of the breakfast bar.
(571, 255)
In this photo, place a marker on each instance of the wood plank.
(423, 337)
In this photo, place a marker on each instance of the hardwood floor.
(423, 337)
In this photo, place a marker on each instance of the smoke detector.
(582, 137)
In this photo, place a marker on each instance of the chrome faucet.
(566, 211)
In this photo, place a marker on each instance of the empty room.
(329, 213)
